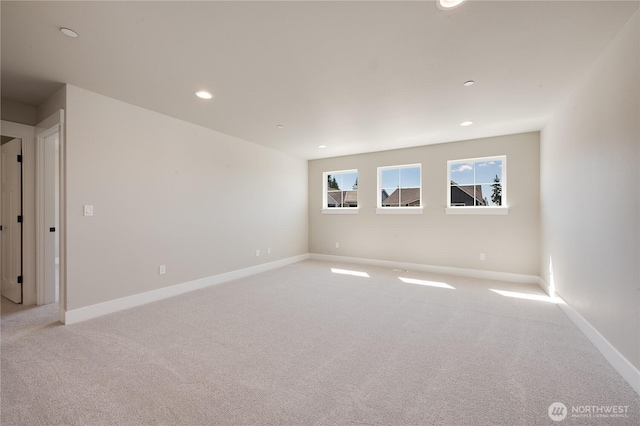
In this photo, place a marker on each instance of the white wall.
(18, 113)
(590, 188)
(53, 104)
(511, 242)
(168, 192)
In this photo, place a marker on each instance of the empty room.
(320, 212)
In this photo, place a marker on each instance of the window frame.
(325, 190)
(380, 209)
(493, 210)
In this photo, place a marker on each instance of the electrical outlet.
(257, 253)
(483, 256)
(337, 245)
(269, 250)
(162, 269)
(88, 210)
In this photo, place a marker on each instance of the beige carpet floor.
(305, 345)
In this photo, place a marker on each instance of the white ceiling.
(356, 76)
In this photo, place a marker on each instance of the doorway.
(36, 230)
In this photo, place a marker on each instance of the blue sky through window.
(485, 172)
(403, 177)
(345, 180)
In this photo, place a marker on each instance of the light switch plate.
(88, 210)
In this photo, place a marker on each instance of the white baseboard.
(630, 373)
(462, 272)
(88, 312)
(622, 365)
(545, 286)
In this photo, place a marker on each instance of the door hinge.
(20, 279)
(0, 227)
(20, 219)
(19, 158)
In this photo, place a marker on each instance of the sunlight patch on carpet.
(527, 296)
(347, 272)
(427, 283)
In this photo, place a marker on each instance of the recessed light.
(449, 4)
(466, 123)
(202, 94)
(468, 83)
(68, 32)
(322, 146)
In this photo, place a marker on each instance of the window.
(477, 182)
(399, 188)
(340, 191)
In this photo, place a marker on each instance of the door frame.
(27, 134)
(55, 122)
(41, 219)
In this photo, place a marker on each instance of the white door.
(11, 215)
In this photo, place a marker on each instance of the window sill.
(339, 210)
(399, 210)
(478, 210)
